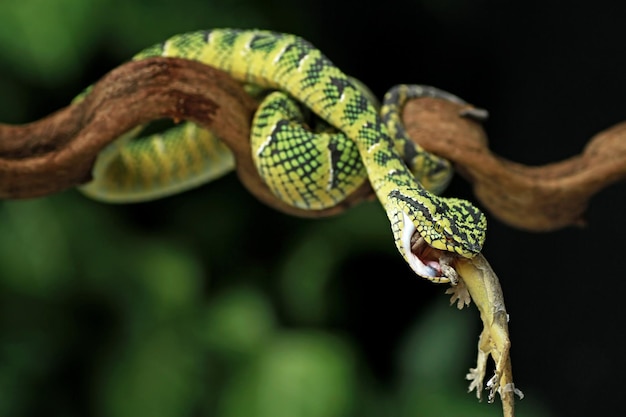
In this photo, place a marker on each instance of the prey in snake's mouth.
(426, 261)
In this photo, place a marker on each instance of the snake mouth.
(424, 260)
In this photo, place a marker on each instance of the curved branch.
(57, 152)
(533, 198)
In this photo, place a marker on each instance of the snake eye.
(438, 228)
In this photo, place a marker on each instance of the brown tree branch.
(541, 198)
(57, 152)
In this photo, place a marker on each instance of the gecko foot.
(494, 386)
(510, 387)
(460, 295)
(476, 376)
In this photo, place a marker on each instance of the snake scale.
(306, 168)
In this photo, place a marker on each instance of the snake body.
(290, 155)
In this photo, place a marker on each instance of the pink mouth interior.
(422, 258)
(427, 255)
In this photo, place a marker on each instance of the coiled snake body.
(303, 168)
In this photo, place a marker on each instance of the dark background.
(209, 303)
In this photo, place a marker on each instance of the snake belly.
(291, 64)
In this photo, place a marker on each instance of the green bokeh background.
(209, 303)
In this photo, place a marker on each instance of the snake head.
(431, 232)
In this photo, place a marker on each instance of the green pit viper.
(307, 169)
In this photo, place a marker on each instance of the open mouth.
(426, 261)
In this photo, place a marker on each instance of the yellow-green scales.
(290, 64)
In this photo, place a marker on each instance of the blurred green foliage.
(207, 303)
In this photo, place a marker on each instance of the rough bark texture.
(540, 198)
(57, 152)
